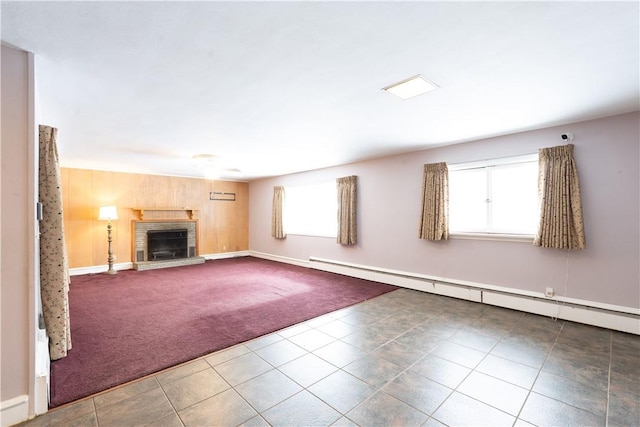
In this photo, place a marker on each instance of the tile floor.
(405, 358)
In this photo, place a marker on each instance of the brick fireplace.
(143, 260)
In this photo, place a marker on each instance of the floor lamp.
(107, 213)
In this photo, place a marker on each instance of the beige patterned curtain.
(561, 223)
(347, 192)
(277, 227)
(54, 269)
(434, 219)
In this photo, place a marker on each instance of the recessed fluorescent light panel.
(413, 86)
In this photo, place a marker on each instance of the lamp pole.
(107, 213)
(110, 257)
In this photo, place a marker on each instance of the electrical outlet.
(549, 292)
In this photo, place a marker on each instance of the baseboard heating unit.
(625, 319)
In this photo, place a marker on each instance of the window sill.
(525, 238)
(311, 235)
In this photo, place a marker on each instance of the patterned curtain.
(434, 219)
(54, 269)
(561, 223)
(277, 227)
(347, 210)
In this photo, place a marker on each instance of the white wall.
(15, 217)
(607, 154)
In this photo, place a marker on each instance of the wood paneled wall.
(223, 225)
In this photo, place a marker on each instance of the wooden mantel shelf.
(192, 212)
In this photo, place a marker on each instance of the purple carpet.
(130, 325)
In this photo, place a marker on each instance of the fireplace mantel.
(193, 213)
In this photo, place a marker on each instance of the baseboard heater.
(625, 319)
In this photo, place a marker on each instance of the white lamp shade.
(108, 213)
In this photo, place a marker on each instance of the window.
(311, 210)
(494, 197)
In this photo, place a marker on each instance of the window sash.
(491, 204)
(311, 210)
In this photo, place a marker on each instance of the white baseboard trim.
(560, 310)
(620, 318)
(279, 258)
(224, 255)
(99, 268)
(15, 410)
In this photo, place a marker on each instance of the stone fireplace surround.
(139, 244)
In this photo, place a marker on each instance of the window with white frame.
(494, 197)
(311, 210)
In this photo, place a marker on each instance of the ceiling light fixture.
(413, 86)
(210, 165)
(210, 158)
(214, 167)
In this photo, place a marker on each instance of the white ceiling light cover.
(413, 86)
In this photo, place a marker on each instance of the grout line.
(175, 411)
(539, 371)
(95, 411)
(606, 414)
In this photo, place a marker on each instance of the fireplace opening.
(166, 244)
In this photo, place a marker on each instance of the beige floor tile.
(340, 353)
(281, 352)
(243, 368)
(195, 388)
(182, 371)
(308, 369)
(342, 391)
(418, 391)
(494, 392)
(294, 330)
(582, 396)
(441, 371)
(337, 328)
(65, 414)
(226, 355)
(316, 322)
(461, 410)
(302, 409)
(366, 339)
(226, 408)
(268, 390)
(459, 354)
(172, 420)
(543, 411)
(384, 410)
(312, 340)
(507, 370)
(374, 370)
(398, 354)
(263, 341)
(124, 392)
(256, 421)
(141, 409)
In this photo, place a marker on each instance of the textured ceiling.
(281, 87)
